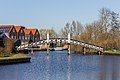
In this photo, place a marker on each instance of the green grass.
(14, 56)
(112, 51)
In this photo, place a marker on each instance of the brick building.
(20, 32)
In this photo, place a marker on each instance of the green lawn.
(112, 51)
(14, 56)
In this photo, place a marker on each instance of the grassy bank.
(14, 56)
(112, 52)
(105, 52)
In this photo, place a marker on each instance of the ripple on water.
(59, 66)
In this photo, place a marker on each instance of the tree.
(65, 30)
(115, 24)
(104, 18)
(115, 29)
(75, 29)
(103, 32)
(52, 33)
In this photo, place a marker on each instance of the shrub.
(6, 51)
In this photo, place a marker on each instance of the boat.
(58, 48)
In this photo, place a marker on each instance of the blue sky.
(52, 13)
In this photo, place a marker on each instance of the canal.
(59, 66)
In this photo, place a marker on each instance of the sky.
(44, 14)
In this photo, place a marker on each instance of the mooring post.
(84, 50)
(32, 51)
(47, 43)
(99, 52)
(68, 43)
(68, 48)
(102, 52)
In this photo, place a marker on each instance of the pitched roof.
(17, 28)
(5, 26)
(27, 31)
(33, 31)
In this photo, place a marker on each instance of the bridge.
(68, 40)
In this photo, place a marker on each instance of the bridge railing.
(67, 40)
(72, 41)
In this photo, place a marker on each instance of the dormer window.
(21, 31)
(13, 30)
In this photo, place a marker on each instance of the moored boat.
(58, 48)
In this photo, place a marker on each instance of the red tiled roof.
(27, 31)
(33, 31)
(17, 28)
(11, 26)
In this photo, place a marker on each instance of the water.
(59, 66)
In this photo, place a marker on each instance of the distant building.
(28, 35)
(20, 32)
(10, 30)
(35, 35)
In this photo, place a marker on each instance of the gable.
(13, 30)
(21, 31)
(17, 28)
(26, 31)
(33, 31)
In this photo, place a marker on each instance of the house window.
(19, 37)
(22, 37)
(15, 37)
(12, 37)
(26, 37)
(13, 30)
(21, 31)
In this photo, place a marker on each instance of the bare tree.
(104, 18)
(74, 29)
(51, 32)
(65, 30)
(104, 32)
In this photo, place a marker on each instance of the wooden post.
(102, 52)
(68, 48)
(84, 50)
(47, 48)
(68, 43)
(47, 43)
(99, 52)
(32, 50)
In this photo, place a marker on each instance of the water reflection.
(68, 69)
(110, 68)
(59, 66)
